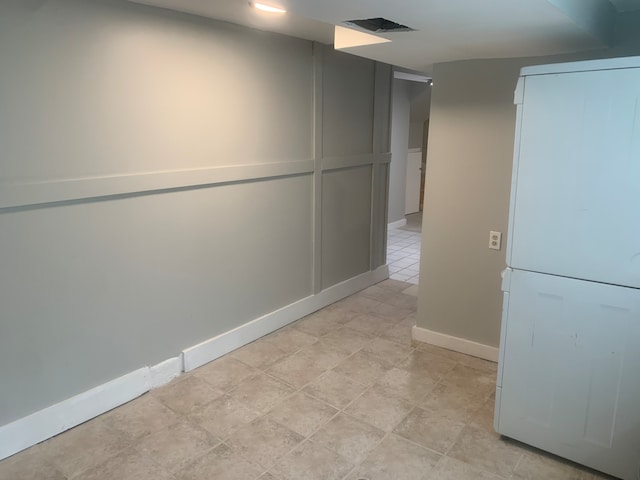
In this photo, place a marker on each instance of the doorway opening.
(409, 129)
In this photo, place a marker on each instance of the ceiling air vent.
(379, 25)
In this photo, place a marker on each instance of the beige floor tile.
(347, 339)
(535, 465)
(325, 354)
(396, 459)
(259, 354)
(399, 334)
(431, 366)
(30, 464)
(456, 403)
(310, 461)
(337, 314)
(387, 350)
(392, 313)
(412, 290)
(443, 352)
(335, 389)
(224, 373)
(83, 447)
(369, 324)
(184, 395)
(486, 451)
(394, 285)
(430, 430)
(175, 447)
(409, 321)
(463, 376)
(379, 293)
(291, 339)
(378, 408)
(485, 366)
(350, 438)
(361, 304)
(302, 413)
(130, 465)
(315, 324)
(140, 417)
(268, 476)
(222, 416)
(263, 441)
(261, 393)
(412, 386)
(363, 367)
(221, 463)
(451, 469)
(483, 418)
(403, 301)
(297, 370)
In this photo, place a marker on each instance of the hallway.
(403, 250)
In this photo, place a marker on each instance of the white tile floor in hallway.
(403, 255)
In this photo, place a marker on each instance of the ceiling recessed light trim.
(268, 8)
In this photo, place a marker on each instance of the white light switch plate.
(495, 240)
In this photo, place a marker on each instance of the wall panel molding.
(24, 194)
(348, 161)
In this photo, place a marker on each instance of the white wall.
(166, 179)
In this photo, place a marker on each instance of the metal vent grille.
(379, 25)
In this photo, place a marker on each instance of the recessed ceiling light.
(268, 8)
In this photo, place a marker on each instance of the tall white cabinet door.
(571, 371)
(577, 177)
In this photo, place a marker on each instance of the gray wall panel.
(346, 224)
(101, 88)
(98, 288)
(122, 115)
(347, 104)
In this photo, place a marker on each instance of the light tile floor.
(341, 394)
(403, 255)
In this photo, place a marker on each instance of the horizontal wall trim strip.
(37, 427)
(35, 193)
(334, 163)
(456, 344)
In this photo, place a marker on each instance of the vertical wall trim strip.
(375, 148)
(318, 60)
(379, 190)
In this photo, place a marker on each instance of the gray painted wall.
(400, 108)
(167, 178)
(419, 113)
(470, 153)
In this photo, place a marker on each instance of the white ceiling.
(446, 30)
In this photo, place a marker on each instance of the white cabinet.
(569, 371)
(577, 204)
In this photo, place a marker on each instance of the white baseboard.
(37, 427)
(397, 224)
(222, 344)
(164, 372)
(457, 344)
